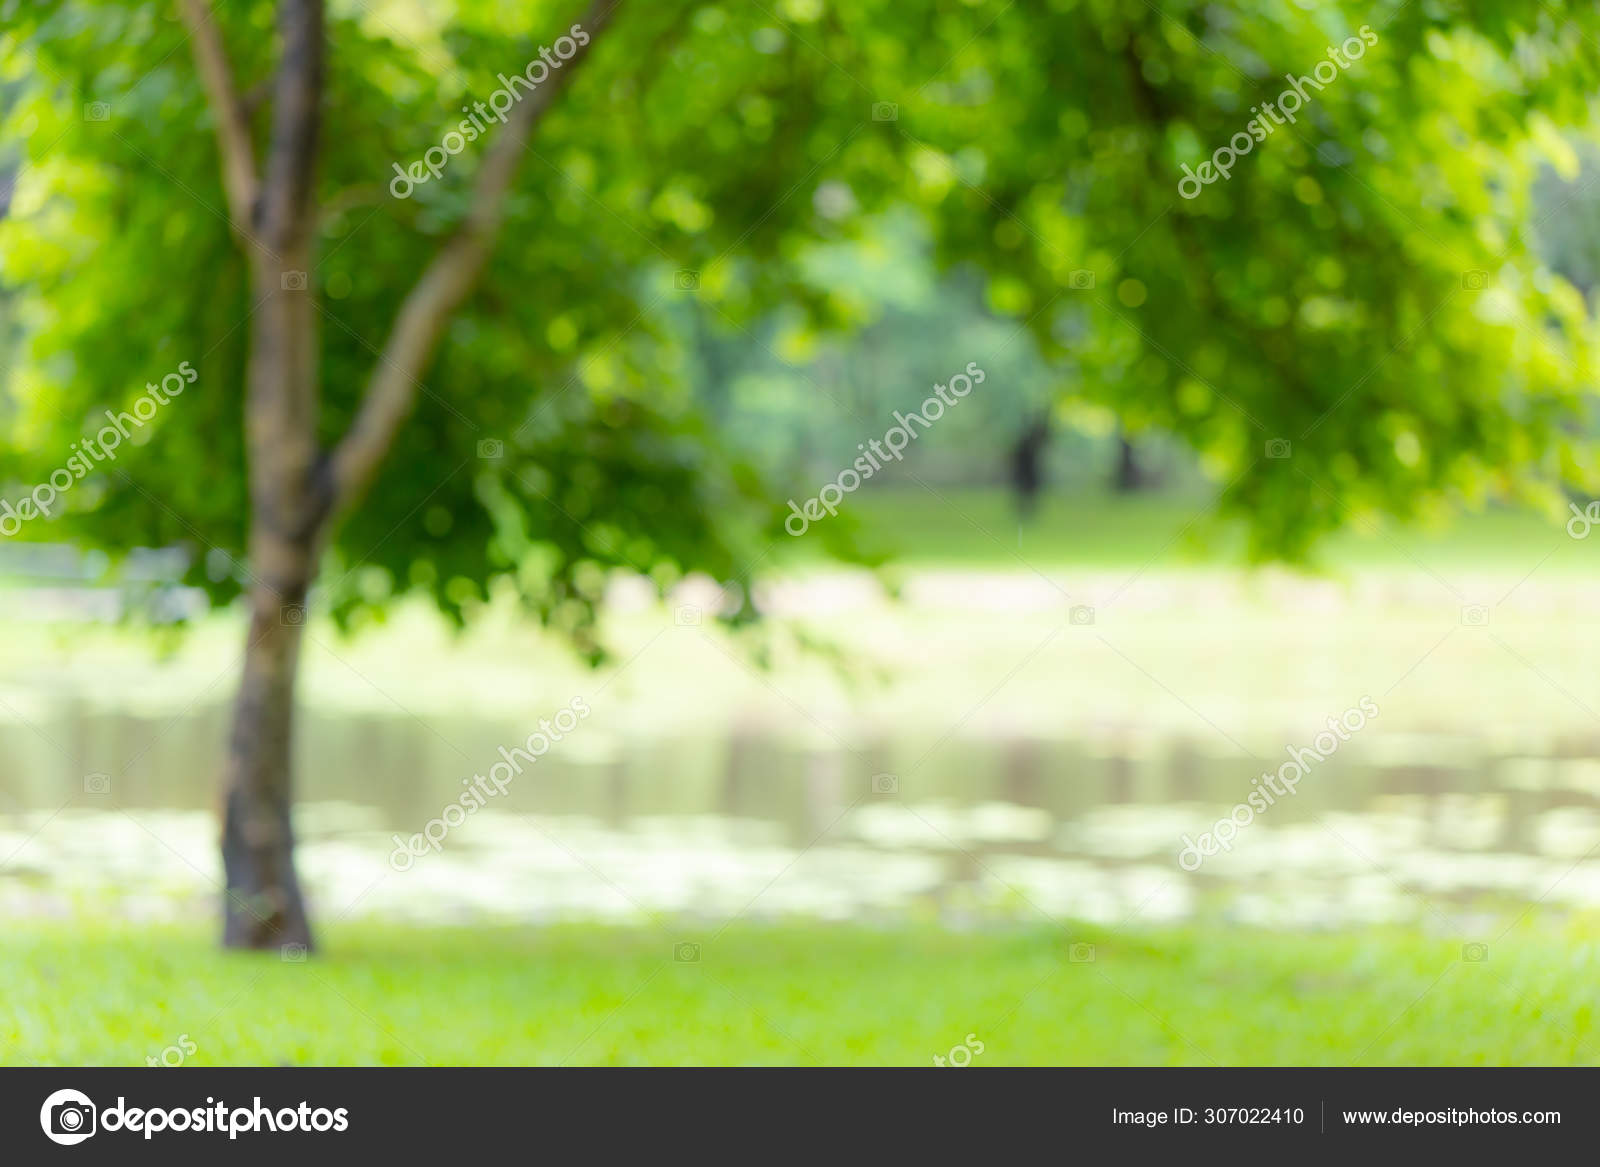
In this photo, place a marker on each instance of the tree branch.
(233, 122)
(392, 391)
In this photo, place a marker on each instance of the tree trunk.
(265, 908)
(290, 500)
(1027, 463)
(1128, 476)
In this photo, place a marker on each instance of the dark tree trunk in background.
(1027, 463)
(1132, 472)
(1127, 477)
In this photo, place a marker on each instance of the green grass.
(979, 528)
(71, 994)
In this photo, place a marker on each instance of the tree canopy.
(1363, 287)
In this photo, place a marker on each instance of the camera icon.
(687, 616)
(1474, 953)
(97, 783)
(292, 954)
(1081, 954)
(72, 1118)
(294, 281)
(491, 449)
(885, 784)
(885, 111)
(686, 953)
(68, 1117)
(97, 111)
(292, 615)
(685, 280)
(1081, 614)
(1080, 281)
(1278, 448)
(1474, 281)
(1475, 615)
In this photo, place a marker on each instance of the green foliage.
(1321, 296)
(120, 245)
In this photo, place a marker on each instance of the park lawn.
(797, 995)
(977, 527)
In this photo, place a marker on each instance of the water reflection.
(1398, 828)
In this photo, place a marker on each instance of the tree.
(297, 487)
(1027, 463)
(1351, 323)
(1127, 475)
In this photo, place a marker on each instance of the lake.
(1008, 764)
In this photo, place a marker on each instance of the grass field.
(978, 527)
(798, 995)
